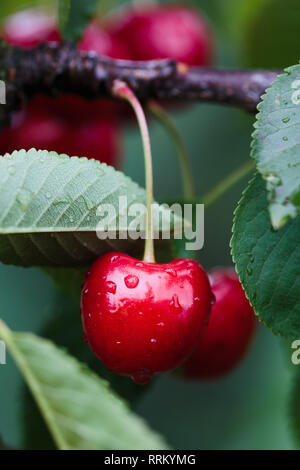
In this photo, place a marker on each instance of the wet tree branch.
(54, 69)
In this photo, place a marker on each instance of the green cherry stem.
(226, 184)
(121, 90)
(184, 160)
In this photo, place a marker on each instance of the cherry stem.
(184, 160)
(121, 90)
(226, 184)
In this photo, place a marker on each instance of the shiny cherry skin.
(164, 31)
(144, 318)
(230, 330)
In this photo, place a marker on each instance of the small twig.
(158, 111)
(227, 183)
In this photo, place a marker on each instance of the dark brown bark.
(54, 69)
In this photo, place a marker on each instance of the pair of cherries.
(143, 318)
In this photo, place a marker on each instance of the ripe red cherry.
(170, 31)
(98, 139)
(30, 27)
(143, 318)
(230, 330)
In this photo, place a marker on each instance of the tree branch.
(59, 68)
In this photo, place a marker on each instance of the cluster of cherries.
(140, 318)
(69, 124)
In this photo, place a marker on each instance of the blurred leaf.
(79, 408)
(268, 32)
(63, 13)
(48, 207)
(268, 261)
(80, 14)
(276, 145)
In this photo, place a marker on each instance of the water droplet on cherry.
(111, 287)
(175, 305)
(131, 281)
(139, 265)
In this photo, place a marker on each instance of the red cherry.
(32, 129)
(97, 139)
(97, 39)
(144, 318)
(231, 328)
(30, 27)
(169, 31)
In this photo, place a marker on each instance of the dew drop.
(286, 120)
(139, 265)
(285, 138)
(111, 287)
(142, 376)
(131, 281)
(153, 340)
(11, 170)
(161, 324)
(196, 299)
(86, 291)
(175, 305)
(48, 195)
(114, 258)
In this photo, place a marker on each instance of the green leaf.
(48, 210)
(276, 145)
(268, 261)
(64, 7)
(268, 32)
(64, 328)
(79, 408)
(75, 17)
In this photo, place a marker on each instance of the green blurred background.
(248, 409)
